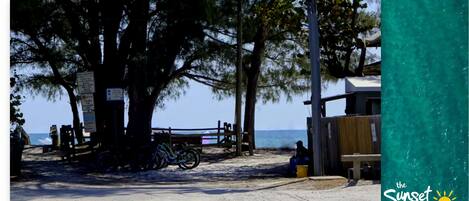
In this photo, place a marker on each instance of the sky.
(197, 108)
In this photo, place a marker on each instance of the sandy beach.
(219, 177)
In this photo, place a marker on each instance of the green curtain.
(425, 96)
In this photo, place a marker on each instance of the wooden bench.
(220, 136)
(190, 140)
(357, 159)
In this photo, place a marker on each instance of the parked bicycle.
(149, 157)
(183, 156)
(134, 159)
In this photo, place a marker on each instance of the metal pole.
(239, 59)
(315, 145)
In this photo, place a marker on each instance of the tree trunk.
(111, 76)
(350, 48)
(76, 116)
(252, 78)
(72, 97)
(361, 63)
(250, 107)
(141, 102)
(139, 125)
(141, 108)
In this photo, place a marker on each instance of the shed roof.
(367, 83)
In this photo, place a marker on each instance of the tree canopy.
(41, 49)
(285, 66)
(151, 48)
(282, 25)
(16, 116)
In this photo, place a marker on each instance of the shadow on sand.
(45, 178)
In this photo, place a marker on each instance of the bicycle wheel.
(155, 161)
(163, 162)
(188, 159)
(197, 153)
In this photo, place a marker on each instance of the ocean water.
(264, 138)
(40, 138)
(280, 138)
(425, 96)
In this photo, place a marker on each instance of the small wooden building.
(364, 95)
(358, 131)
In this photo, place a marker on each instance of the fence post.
(218, 134)
(238, 139)
(231, 135)
(66, 138)
(170, 140)
(55, 137)
(72, 133)
(225, 131)
(63, 139)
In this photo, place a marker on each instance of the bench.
(190, 140)
(198, 137)
(357, 159)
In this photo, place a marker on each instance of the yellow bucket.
(301, 171)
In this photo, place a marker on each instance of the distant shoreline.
(264, 138)
(35, 133)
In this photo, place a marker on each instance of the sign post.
(86, 89)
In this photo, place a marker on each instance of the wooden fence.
(348, 135)
(218, 136)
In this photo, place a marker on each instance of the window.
(373, 106)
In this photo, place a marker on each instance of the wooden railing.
(220, 136)
(223, 135)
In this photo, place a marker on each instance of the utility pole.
(239, 65)
(314, 134)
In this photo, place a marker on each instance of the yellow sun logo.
(444, 197)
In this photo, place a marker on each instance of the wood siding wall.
(348, 135)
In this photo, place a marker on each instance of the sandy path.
(255, 178)
(192, 192)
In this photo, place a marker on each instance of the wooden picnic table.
(357, 159)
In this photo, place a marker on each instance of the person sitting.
(300, 158)
(301, 151)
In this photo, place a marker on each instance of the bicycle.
(128, 159)
(183, 156)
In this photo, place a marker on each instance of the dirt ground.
(220, 176)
